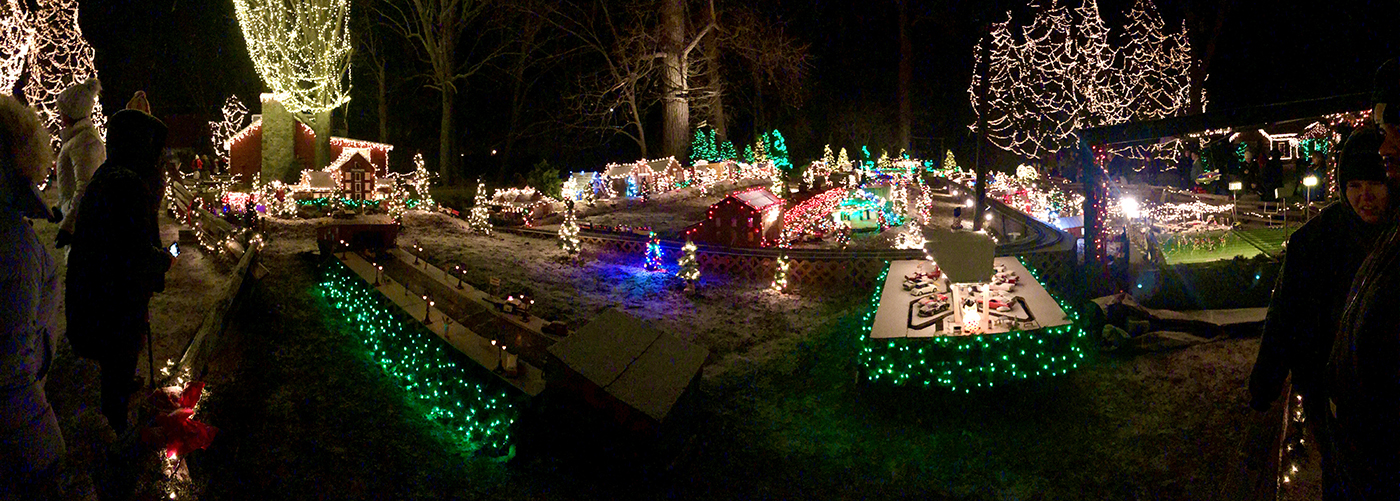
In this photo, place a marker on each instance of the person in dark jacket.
(1307, 303)
(118, 261)
(1363, 370)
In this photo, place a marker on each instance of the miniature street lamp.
(378, 270)
(458, 269)
(1309, 182)
(427, 311)
(1235, 187)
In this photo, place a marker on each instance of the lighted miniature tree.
(949, 163)
(702, 147)
(780, 281)
(301, 49)
(480, 220)
(397, 204)
(568, 232)
(17, 38)
(421, 182)
(60, 58)
(653, 258)
(727, 151)
(235, 118)
(690, 268)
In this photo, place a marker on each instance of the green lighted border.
(968, 362)
(477, 415)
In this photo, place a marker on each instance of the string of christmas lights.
(301, 49)
(451, 391)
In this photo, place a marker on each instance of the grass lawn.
(1214, 246)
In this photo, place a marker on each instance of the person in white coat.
(82, 151)
(31, 446)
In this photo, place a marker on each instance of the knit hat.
(76, 102)
(1385, 93)
(1361, 158)
(138, 102)
(25, 157)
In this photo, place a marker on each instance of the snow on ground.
(741, 323)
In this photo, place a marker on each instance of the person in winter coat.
(1363, 370)
(1307, 303)
(30, 443)
(118, 261)
(82, 151)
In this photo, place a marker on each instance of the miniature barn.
(625, 180)
(667, 173)
(635, 373)
(356, 173)
(245, 150)
(747, 218)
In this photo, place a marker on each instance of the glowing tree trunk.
(59, 59)
(301, 49)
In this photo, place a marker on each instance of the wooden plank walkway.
(468, 330)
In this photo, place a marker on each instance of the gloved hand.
(64, 238)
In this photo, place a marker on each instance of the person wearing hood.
(31, 445)
(1312, 288)
(1362, 374)
(82, 151)
(118, 261)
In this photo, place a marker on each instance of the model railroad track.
(1041, 237)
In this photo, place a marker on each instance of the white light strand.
(301, 49)
(235, 117)
(59, 59)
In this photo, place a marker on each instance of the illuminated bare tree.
(59, 59)
(235, 117)
(16, 41)
(301, 49)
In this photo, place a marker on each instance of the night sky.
(188, 55)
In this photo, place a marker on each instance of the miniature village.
(1063, 303)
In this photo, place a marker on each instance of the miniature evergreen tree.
(828, 157)
(690, 268)
(653, 262)
(420, 180)
(949, 163)
(780, 281)
(480, 220)
(568, 232)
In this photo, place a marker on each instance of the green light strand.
(476, 410)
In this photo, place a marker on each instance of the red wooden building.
(748, 218)
(245, 150)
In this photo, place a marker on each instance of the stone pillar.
(278, 142)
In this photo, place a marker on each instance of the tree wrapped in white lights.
(1156, 70)
(235, 118)
(60, 58)
(568, 232)
(480, 220)
(421, 181)
(1063, 74)
(301, 49)
(690, 267)
(17, 38)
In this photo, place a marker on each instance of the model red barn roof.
(759, 198)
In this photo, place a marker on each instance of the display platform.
(923, 330)
(959, 309)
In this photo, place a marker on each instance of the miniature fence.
(213, 232)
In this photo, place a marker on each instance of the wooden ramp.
(464, 334)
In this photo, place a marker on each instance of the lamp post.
(1309, 182)
(1235, 187)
